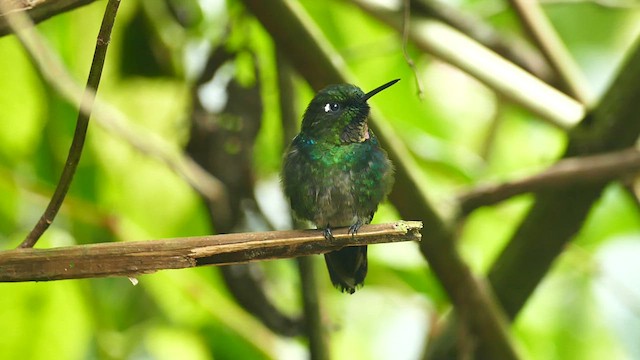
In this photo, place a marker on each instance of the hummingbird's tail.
(347, 267)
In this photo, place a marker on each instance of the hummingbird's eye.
(331, 107)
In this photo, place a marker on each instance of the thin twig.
(82, 124)
(492, 132)
(537, 25)
(406, 19)
(142, 257)
(52, 69)
(567, 172)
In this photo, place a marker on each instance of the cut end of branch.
(412, 227)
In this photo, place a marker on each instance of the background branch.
(142, 257)
(558, 214)
(502, 76)
(509, 47)
(313, 324)
(37, 10)
(238, 122)
(571, 171)
(539, 28)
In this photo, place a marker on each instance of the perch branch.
(82, 125)
(143, 257)
(571, 171)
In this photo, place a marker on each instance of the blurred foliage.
(460, 131)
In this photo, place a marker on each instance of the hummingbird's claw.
(327, 233)
(353, 229)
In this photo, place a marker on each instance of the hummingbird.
(335, 174)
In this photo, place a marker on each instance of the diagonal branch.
(510, 47)
(143, 257)
(53, 71)
(539, 28)
(82, 124)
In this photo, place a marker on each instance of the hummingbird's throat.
(355, 132)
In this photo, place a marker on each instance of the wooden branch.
(143, 257)
(567, 172)
(38, 10)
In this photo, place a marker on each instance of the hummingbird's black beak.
(378, 89)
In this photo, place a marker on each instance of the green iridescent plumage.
(335, 173)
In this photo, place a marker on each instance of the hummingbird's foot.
(353, 229)
(327, 233)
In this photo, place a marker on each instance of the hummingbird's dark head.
(338, 114)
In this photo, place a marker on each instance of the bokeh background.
(205, 76)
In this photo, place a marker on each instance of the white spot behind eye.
(331, 107)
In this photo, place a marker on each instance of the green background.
(588, 307)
